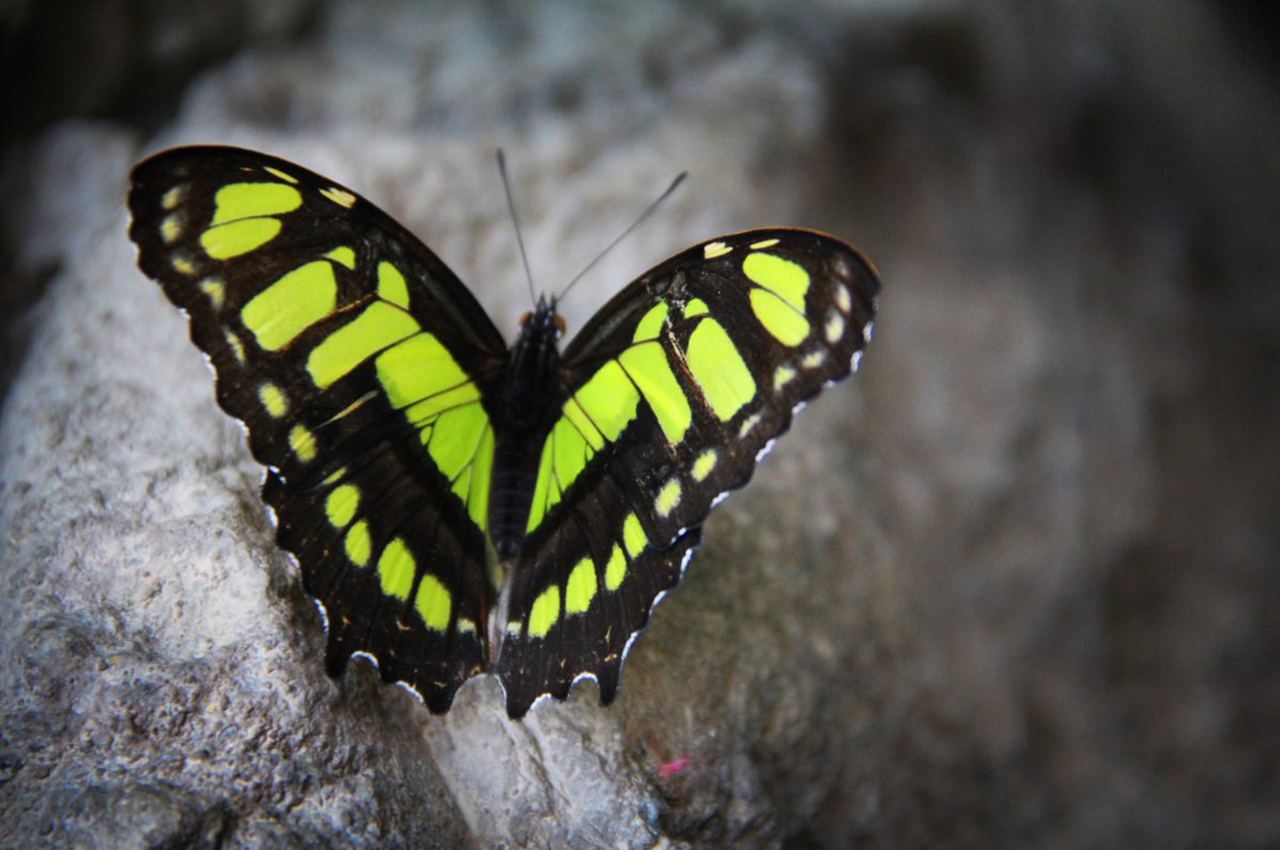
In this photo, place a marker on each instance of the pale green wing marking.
(779, 303)
(417, 373)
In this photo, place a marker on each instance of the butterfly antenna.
(515, 219)
(640, 220)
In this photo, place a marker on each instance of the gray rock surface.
(1013, 585)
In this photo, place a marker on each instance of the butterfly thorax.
(529, 403)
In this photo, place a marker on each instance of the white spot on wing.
(840, 268)
(171, 228)
(842, 298)
(834, 326)
(765, 449)
(281, 174)
(174, 196)
(341, 197)
(748, 425)
(814, 359)
(182, 264)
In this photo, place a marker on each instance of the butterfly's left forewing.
(360, 366)
(675, 389)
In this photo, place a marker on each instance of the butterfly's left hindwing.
(675, 389)
(360, 366)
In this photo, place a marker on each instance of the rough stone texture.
(1012, 586)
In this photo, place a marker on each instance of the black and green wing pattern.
(675, 389)
(375, 390)
(316, 311)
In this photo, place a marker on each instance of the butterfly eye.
(524, 320)
(559, 322)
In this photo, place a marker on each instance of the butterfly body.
(458, 506)
(531, 396)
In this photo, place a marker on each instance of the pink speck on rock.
(671, 768)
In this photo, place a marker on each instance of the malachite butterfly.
(458, 506)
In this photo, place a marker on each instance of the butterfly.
(457, 505)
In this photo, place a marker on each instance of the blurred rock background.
(1012, 586)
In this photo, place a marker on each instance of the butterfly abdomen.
(515, 469)
(528, 405)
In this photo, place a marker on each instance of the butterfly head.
(543, 321)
